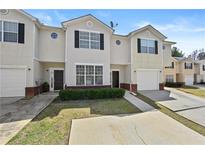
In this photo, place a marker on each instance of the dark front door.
(58, 79)
(115, 79)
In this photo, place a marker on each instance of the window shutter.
(21, 32)
(156, 47)
(185, 65)
(172, 64)
(101, 41)
(76, 39)
(139, 45)
(191, 65)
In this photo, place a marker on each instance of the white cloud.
(178, 25)
(60, 16)
(104, 14)
(44, 18)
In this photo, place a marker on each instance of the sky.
(186, 27)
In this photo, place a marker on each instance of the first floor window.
(147, 46)
(169, 78)
(98, 75)
(10, 31)
(89, 75)
(80, 75)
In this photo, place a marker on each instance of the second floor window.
(203, 67)
(188, 65)
(10, 32)
(89, 40)
(147, 46)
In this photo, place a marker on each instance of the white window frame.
(188, 67)
(89, 39)
(147, 46)
(169, 78)
(2, 30)
(87, 64)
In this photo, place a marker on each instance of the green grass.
(52, 125)
(188, 123)
(193, 90)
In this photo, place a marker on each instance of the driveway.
(16, 113)
(152, 127)
(187, 105)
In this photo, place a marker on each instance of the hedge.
(100, 93)
(174, 84)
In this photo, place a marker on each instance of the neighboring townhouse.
(83, 53)
(200, 71)
(185, 70)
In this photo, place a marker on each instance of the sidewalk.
(137, 102)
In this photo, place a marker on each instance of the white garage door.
(148, 80)
(12, 82)
(189, 79)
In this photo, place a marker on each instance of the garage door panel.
(148, 80)
(13, 82)
(189, 79)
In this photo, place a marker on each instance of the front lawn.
(193, 90)
(52, 126)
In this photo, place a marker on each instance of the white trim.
(117, 70)
(13, 66)
(89, 64)
(51, 77)
(144, 69)
(87, 30)
(48, 61)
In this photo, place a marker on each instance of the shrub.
(174, 84)
(45, 87)
(100, 93)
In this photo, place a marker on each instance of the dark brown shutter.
(139, 45)
(101, 41)
(76, 39)
(156, 47)
(21, 33)
(172, 64)
(191, 65)
(185, 65)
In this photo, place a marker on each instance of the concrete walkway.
(16, 115)
(137, 102)
(186, 105)
(151, 127)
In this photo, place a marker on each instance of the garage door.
(148, 80)
(189, 79)
(12, 82)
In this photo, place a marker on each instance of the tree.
(194, 54)
(201, 54)
(176, 52)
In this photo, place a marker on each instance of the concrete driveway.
(151, 127)
(15, 113)
(187, 105)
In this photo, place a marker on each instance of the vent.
(4, 11)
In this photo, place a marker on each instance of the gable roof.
(148, 27)
(183, 58)
(84, 17)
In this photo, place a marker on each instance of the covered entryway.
(148, 79)
(12, 82)
(115, 79)
(189, 79)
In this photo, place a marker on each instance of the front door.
(115, 79)
(58, 79)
